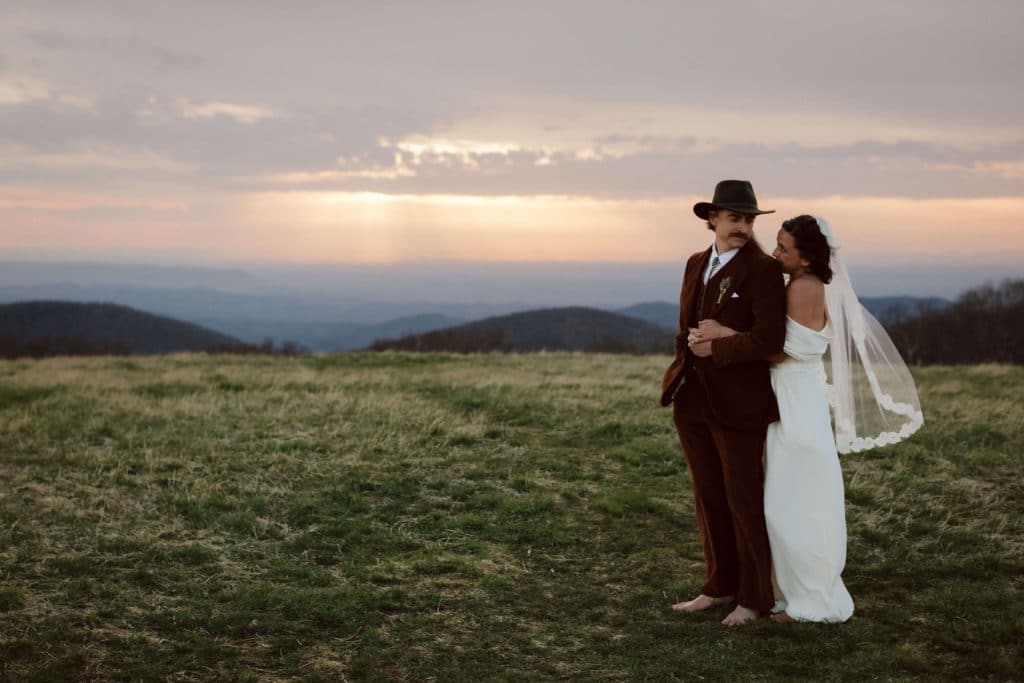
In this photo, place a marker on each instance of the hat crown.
(737, 192)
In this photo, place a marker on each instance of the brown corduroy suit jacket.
(748, 295)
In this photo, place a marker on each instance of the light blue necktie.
(714, 267)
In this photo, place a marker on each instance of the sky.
(571, 131)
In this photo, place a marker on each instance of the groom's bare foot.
(782, 618)
(702, 602)
(740, 616)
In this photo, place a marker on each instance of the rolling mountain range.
(641, 328)
(70, 327)
(347, 307)
(314, 321)
(887, 310)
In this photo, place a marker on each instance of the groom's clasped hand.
(700, 337)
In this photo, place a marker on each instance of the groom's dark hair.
(811, 244)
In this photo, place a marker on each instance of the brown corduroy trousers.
(728, 488)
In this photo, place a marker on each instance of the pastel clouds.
(244, 113)
(89, 157)
(18, 89)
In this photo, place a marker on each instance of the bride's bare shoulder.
(805, 298)
(806, 280)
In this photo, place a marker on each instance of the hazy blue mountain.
(194, 303)
(887, 309)
(573, 328)
(86, 274)
(327, 336)
(606, 285)
(660, 313)
(890, 309)
(202, 305)
(102, 324)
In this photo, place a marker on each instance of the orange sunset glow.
(370, 227)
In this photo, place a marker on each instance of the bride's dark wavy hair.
(811, 245)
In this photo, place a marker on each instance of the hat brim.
(702, 209)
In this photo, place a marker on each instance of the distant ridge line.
(572, 328)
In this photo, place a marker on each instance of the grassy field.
(441, 517)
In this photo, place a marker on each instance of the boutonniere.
(723, 287)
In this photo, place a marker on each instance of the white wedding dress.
(803, 493)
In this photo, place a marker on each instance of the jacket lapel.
(691, 285)
(731, 276)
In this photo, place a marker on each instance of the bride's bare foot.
(782, 618)
(702, 602)
(740, 616)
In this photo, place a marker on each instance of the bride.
(874, 403)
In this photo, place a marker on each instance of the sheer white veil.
(873, 397)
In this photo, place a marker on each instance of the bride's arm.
(712, 329)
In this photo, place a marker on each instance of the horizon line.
(1000, 259)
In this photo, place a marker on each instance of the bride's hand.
(712, 329)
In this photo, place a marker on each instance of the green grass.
(442, 517)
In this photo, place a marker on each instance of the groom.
(723, 400)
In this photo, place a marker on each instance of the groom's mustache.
(741, 235)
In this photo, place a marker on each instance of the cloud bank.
(178, 119)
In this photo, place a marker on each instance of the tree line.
(47, 347)
(984, 325)
(43, 347)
